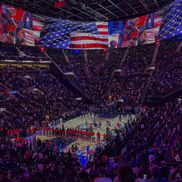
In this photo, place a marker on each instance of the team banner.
(19, 27)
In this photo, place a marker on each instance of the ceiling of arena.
(90, 10)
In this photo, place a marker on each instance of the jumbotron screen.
(19, 27)
(24, 28)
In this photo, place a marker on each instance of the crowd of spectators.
(21, 53)
(136, 154)
(129, 83)
(146, 149)
(95, 72)
(32, 95)
(111, 75)
(92, 69)
(167, 75)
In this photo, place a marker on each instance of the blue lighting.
(76, 51)
(83, 161)
(13, 92)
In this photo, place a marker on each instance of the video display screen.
(24, 28)
(19, 27)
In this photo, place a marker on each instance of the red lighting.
(157, 42)
(42, 49)
(105, 50)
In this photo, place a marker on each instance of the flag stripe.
(89, 35)
(102, 23)
(87, 38)
(37, 26)
(89, 42)
(103, 30)
(103, 33)
(102, 26)
(88, 46)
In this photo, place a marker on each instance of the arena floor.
(81, 122)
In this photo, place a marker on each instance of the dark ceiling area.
(90, 10)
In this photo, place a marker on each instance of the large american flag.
(72, 34)
(172, 22)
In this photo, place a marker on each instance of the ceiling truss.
(90, 10)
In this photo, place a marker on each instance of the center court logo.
(82, 127)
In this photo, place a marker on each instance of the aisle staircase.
(74, 84)
(59, 74)
(147, 84)
(150, 74)
(114, 71)
(179, 47)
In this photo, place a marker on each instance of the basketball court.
(83, 122)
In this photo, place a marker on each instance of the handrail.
(150, 74)
(112, 75)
